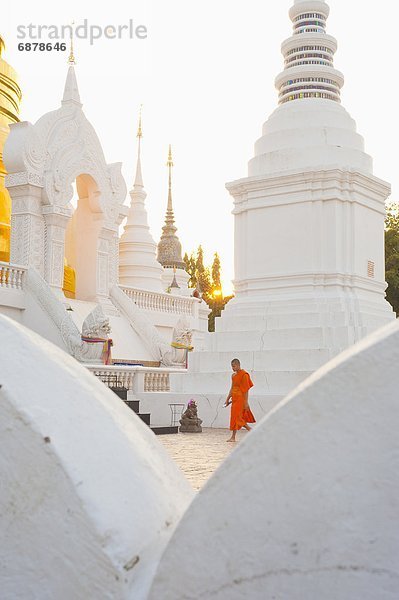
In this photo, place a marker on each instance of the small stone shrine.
(190, 422)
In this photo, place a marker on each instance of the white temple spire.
(138, 266)
(71, 91)
(138, 182)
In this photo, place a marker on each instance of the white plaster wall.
(36, 318)
(11, 311)
(285, 247)
(210, 406)
(369, 242)
(306, 507)
(89, 497)
(21, 306)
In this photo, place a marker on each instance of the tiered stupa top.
(310, 129)
(309, 56)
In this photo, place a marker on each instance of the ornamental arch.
(43, 162)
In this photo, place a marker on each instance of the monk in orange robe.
(241, 414)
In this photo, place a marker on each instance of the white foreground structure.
(309, 233)
(91, 501)
(89, 497)
(306, 506)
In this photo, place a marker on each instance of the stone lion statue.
(190, 422)
(181, 342)
(96, 324)
(96, 345)
(182, 335)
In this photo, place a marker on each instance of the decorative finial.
(169, 164)
(138, 182)
(174, 283)
(71, 59)
(169, 247)
(140, 130)
(170, 160)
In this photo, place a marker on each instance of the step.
(133, 404)
(165, 430)
(120, 392)
(145, 417)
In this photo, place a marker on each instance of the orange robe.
(239, 417)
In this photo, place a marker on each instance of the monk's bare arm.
(229, 395)
(246, 405)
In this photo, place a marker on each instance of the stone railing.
(161, 302)
(156, 382)
(136, 378)
(11, 276)
(114, 376)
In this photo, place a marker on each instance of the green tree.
(205, 283)
(216, 267)
(199, 262)
(202, 274)
(392, 255)
(189, 262)
(209, 280)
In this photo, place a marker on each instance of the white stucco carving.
(182, 333)
(85, 510)
(43, 160)
(95, 325)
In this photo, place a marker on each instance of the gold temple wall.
(10, 98)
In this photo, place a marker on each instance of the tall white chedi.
(309, 218)
(309, 229)
(138, 265)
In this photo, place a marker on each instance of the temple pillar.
(56, 220)
(107, 263)
(27, 226)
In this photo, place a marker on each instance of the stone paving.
(199, 454)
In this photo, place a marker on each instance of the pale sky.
(205, 75)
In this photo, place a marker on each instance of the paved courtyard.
(199, 454)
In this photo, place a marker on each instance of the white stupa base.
(280, 342)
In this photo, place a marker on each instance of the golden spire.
(169, 164)
(71, 58)
(139, 178)
(170, 160)
(169, 247)
(140, 130)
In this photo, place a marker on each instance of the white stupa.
(138, 265)
(309, 231)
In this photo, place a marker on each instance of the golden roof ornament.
(140, 130)
(169, 247)
(71, 58)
